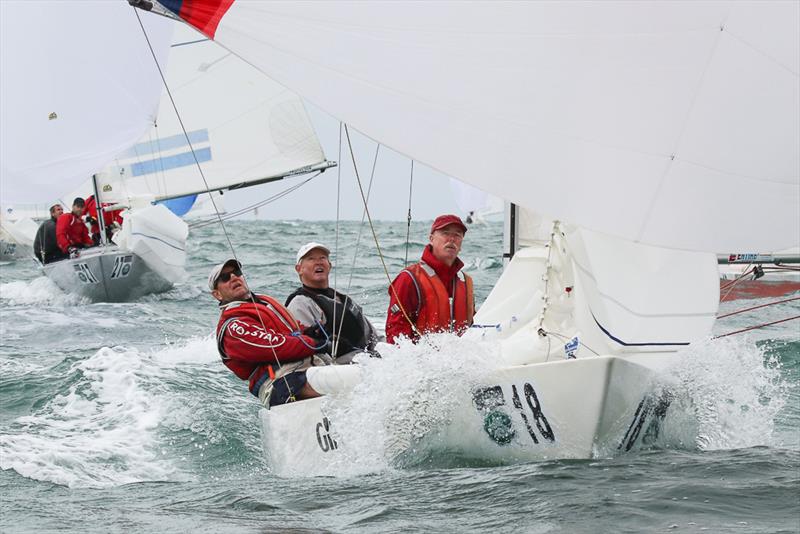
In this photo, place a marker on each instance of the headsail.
(242, 127)
(78, 86)
(670, 123)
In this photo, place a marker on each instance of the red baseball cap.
(444, 220)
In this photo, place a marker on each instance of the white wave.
(40, 290)
(728, 395)
(193, 350)
(100, 433)
(402, 396)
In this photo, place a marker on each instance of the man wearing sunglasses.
(432, 295)
(260, 341)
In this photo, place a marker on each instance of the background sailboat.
(238, 138)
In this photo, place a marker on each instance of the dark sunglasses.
(224, 277)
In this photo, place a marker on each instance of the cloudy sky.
(431, 191)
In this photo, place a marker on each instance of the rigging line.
(408, 218)
(757, 326)
(363, 216)
(684, 126)
(375, 236)
(202, 175)
(757, 307)
(732, 284)
(563, 337)
(335, 345)
(748, 269)
(268, 200)
(339, 328)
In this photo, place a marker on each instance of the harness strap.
(416, 286)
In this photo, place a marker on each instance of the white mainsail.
(669, 123)
(77, 87)
(646, 128)
(241, 133)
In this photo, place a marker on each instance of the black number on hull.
(518, 406)
(649, 404)
(536, 408)
(324, 438)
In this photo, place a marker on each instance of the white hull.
(106, 274)
(579, 408)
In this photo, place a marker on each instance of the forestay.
(78, 86)
(669, 123)
(242, 128)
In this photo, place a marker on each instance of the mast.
(510, 232)
(100, 219)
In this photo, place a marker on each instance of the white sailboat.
(69, 106)
(641, 126)
(254, 134)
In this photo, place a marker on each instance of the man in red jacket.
(432, 295)
(71, 232)
(109, 218)
(260, 341)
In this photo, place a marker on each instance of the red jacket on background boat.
(253, 337)
(71, 232)
(109, 217)
(424, 291)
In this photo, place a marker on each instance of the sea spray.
(38, 291)
(392, 416)
(727, 395)
(99, 432)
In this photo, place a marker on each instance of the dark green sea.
(121, 418)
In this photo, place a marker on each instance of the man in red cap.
(432, 295)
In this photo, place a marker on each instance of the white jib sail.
(242, 126)
(670, 123)
(77, 86)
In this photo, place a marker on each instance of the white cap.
(308, 247)
(215, 272)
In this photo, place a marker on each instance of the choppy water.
(121, 417)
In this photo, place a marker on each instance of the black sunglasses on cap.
(224, 277)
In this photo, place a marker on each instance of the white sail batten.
(669, 123)
(243, 132)
(74, 91)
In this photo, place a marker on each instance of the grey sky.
(389, 198)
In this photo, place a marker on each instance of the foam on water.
(38, 291)
(402, 396)
(100, 432)
(728, 395)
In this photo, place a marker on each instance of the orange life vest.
(436, 311)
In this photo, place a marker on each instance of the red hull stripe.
(757, 289)
(202, 14)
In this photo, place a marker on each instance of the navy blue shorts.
(286, 387)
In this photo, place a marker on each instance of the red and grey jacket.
(253, 336)
(432, 304)
(109, 217)
(71, 231)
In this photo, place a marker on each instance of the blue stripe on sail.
(179, 206)
(167, 143)
(170, 162)
(646, 344)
